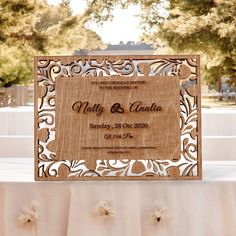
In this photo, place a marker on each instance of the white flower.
(158, 214)
(103, 209)
(29, 214)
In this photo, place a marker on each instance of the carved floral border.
(47, 69)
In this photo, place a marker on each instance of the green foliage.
(29, 28)
(15, 65)
(205, 27)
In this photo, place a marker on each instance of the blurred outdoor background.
(38, 27)
(206, 27)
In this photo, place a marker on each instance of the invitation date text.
(119, 126)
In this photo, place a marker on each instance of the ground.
(215, 103)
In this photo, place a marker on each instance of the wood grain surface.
(148, 128)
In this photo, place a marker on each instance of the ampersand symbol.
(116, 108)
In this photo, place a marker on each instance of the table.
(196, 208)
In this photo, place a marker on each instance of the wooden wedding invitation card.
(117, 118)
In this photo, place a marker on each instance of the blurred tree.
(30, 27)
(206, 27)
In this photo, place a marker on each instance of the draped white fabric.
(196, 208)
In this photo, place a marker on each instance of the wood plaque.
(117, 118)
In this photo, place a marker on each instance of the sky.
(124, 27)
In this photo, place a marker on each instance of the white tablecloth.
(195, 208)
